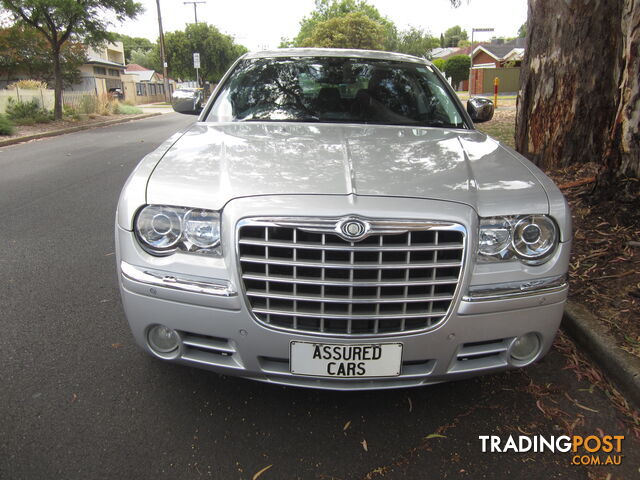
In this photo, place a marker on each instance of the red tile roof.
(134, 67)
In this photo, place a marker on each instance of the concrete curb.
(622, 368)
(79, 128)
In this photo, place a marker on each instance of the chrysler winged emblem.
(352, 229)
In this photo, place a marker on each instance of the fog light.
(163, 339)
(525, 347)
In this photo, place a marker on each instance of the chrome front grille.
(304, 275)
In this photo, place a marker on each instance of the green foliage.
(353, 30)
(217, 52)
(328, 9)
(70, 112)
(457, 67)
(131, 44)
(417, 42)
(150, 59)
(6, 127)
(127, 109)
(522, 31)
(27, 113)
(453, 35)
(26, 51)
(439, 63)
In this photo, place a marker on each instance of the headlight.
(531, 238)
(161, 230)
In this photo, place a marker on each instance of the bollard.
(496, 83)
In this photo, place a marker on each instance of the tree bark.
(57, 84)
(569, 83)
(622, 156)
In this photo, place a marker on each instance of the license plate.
(346, 361)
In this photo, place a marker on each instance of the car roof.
(335, 52)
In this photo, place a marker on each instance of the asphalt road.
(78, 400)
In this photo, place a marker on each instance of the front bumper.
(200, 298)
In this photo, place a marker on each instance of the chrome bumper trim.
(161, 279)
(504, 291)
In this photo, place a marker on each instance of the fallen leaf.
(74, 397)
(364, 445)
(434, 435)
(257, 474)
(116, 345)
(346, 425)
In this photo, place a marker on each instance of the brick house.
(500, 60)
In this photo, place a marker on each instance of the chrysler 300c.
(334, 220)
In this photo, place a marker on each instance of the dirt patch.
(604, 273)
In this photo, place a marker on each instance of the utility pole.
(163, 58)
(195, 7)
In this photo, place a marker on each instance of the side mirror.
(187, 102)
(480, 109)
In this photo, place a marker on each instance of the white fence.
(44, 97)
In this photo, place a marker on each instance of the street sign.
(196, 60)
(483, 29)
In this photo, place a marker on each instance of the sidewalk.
(155, 108)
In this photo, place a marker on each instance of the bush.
(127, 109)
(6, 127)
(69, 111)
(27, 85)
(27, 113)
(106, 105)
(88, 104)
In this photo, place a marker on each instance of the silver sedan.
(334, 220)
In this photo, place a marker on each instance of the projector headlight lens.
(163, 230)
(530, 238)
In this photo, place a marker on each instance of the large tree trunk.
(57, 84)
(579, 99)
(622, 157)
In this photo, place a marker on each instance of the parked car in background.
(334, 220)
(189, 99)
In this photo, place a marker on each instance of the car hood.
(214, 163)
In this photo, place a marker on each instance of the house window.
(152, 89)
(99, 71)
(141, 89)
(114, 73)
(161, 89)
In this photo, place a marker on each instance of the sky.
(259, 24)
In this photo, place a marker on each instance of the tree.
(522, 31)
(416, 42)
(439, 63)
(453, 35)
(217, 51)
(63, 20)
(441, 40)
(328, 9)
(129, 44)
(26, 51)
(579, 98)
(147, 59)
(353, 30)
(457, 67)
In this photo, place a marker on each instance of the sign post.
(196, 65)
(496, 84)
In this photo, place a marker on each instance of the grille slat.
(401, 277)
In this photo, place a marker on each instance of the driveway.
(78, 400)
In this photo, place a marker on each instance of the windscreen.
(335, 90)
